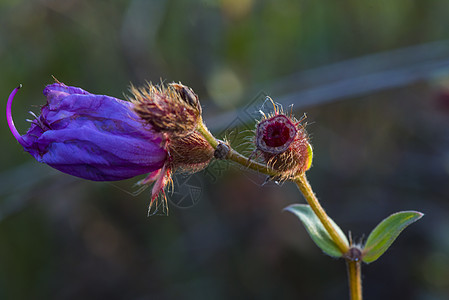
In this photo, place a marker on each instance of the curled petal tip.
(9, 115)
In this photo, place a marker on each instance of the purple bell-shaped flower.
(94, 137)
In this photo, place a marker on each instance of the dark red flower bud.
(284, 144)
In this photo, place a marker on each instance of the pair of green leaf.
(379, 240)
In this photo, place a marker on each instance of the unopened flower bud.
(284, 144)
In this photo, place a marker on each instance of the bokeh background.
(373, 78)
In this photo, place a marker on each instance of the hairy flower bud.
(283, 143)
(173, 109)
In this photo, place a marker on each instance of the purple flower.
(95, 137)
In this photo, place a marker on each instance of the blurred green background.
(373, 78)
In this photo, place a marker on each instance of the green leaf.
(316, 229)
(381, 238)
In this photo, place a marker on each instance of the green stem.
(206, 134)
(251, 164)
(355, 279)
(309, 195)
(234, 155)
(300, 180)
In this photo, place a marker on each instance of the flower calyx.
(282, 141)
(173, 109)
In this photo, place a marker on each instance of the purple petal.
(9, 119)
(91, 136)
